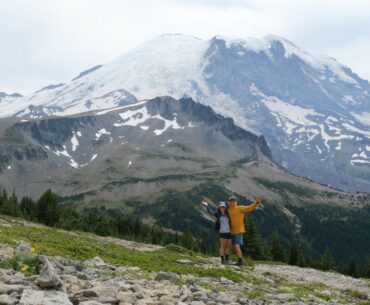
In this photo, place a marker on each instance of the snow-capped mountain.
(9, 98)
(314, 111)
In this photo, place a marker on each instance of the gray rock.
(48, 277)
(101, 293)
(92, 302)
(125, 296)
(8, 289)
(22, 246)
(7, 300)
(47, 297)
(197, 303)
(166, 276)
(95, 262)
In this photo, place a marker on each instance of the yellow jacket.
(236, 213)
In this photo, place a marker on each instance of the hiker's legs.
(229, 246)
(237, 240)
(223, 245)
(238, 251)
(229, 249)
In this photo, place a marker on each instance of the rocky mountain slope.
(47, 271)
(313, 110)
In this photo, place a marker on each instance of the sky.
(47, 42)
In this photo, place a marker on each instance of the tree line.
(112, 222)
(273, 249)
(99, 220)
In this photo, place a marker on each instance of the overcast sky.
(44, 42)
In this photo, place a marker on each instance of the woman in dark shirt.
(223, 228)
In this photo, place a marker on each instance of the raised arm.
(206, 205)
(251, 207)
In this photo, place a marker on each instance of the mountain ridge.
(261, 83)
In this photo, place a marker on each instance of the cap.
(222, 204)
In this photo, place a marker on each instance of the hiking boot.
(239, 262)
(227, 260)
(223, 260)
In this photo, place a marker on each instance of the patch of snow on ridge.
(64, 153)
(141, 115)
(100, 133)
(363, 117)
(93, 157)
(74, 142)
(294, 114)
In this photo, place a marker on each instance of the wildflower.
(25, 268)
(32, 249)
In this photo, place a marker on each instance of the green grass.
(82, 246)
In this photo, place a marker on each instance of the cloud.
(46, 42)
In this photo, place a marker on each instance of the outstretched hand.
(204, 203)
(258, 199)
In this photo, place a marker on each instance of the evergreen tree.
(47, 208)
(367, 274)
(294, 254)
(352, 268)
(327, 261)
(276, 248)
(252, 245)
(28, 208)
(186, 240)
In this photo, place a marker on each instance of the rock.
(6, 252)
(92, 302)
(8, 289)
(48, 277)
(166, 276)
(22, 246)
(125, 296)
(47, 297)
(101, 293)
(95, 262)
(190, 280)
(185, 261)
(286, 296)
(225, 281)
(197, 303)
(8, 300)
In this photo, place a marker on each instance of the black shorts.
(224, 235)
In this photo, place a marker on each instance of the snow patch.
(101, 132)
(74, 142)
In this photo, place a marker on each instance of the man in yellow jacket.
(236, 214)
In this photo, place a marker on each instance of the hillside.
(156, 159)
(313, 110)
(79, 268)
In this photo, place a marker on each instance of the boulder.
(46, 297)
(125, 297)
(48, 277)
(8, 289)
(166, 276)
(7, 300)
